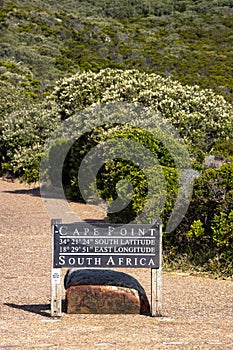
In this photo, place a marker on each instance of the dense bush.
(23, 134)
(163, 176)
(200, 115)
(223, 148)
(206, 234)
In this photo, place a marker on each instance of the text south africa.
(110, 261)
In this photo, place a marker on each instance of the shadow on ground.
(39, 309)
(35, 192)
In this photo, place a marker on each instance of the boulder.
(102, 300)
(104, 291)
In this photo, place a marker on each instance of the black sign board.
(104, 245)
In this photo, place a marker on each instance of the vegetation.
(210, 119)
(191, 41)
(172, 57)
(206, 234)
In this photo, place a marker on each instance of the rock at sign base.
(104, 291)
(102, 300)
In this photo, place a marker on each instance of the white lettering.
(63, 233)
(97, 261)
(110, 230)
(96, 232)
(123, 232)
(128, 261)
(71, 261)
(76, 232)
(103, 249)
(110, 261)
(151, 262)
(141, 231)
(106, 241)
(86, 230)
(152, 230)
(61, 260)
(142, 260)
(121, 261)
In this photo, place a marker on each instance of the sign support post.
(156, 283)
(56, 287)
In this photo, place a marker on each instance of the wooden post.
(156, 282)
(56, 286)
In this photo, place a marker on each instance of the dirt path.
(197, 311)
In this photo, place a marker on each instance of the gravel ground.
(197, 311)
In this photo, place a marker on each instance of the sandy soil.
(197, 311)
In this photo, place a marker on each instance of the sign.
(82, 245)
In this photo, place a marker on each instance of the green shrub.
(23, 134)
(223, 148)
(206, 231)
(196, 232)
(223, 230)
(211, 194)
(116, 170)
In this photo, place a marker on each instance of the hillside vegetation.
(188, 40)
(172, 57)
